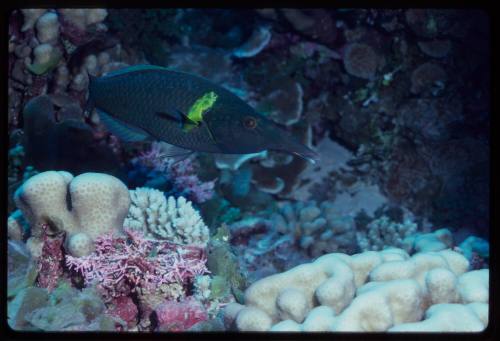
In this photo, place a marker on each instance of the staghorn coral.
(370, 291)
(383, 232)
(98, 203)
(172, 219)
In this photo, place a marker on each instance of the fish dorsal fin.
(135, 68)
(124, 131)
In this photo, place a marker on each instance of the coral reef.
(395, 101)
(371, 291)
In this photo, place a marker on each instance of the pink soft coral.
(182, 173)
(133, 264)
(180, 316)
(186, 180)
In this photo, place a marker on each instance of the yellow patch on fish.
(199, 108)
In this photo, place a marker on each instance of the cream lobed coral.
(172, 219)
(47, 27)
(91, 204)
(371, 291)
(83, 17)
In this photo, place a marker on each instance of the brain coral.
(91, 204)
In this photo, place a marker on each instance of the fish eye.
(250, 122)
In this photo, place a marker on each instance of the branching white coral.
(383, 232)
(172, 219)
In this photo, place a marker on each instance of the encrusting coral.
(437, 240)
(172, 219)
(370, 291)
(90, 203)
(66, 308)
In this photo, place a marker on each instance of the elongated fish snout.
(291, 145)
(306, 153)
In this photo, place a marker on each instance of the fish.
(145, 102)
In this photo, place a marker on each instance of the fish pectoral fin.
(124, 131)
(177, 116)
(172, 151)
(212, 136)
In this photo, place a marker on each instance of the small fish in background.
(146, 102)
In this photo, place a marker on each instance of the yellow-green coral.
(42, 68)
(202, 105)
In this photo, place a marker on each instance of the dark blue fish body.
(149, 101)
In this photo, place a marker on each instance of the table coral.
(370, 291)
(171, 219)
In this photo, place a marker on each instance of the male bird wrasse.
(187, 111)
